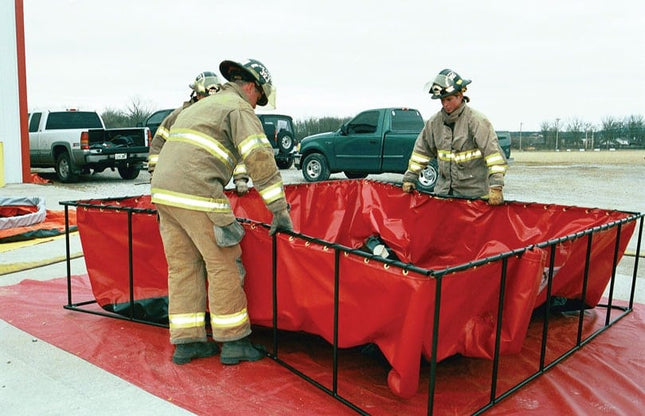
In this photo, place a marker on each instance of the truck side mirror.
(343, 129)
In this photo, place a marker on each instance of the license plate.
(120, 156)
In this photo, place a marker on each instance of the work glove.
(281, 221)
(408, 187)
(241, 187)
(495, 196)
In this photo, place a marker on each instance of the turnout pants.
(199, 271)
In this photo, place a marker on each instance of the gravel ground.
(595, 179)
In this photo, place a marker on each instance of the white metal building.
(14, 136)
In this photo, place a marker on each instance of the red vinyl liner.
(378, 304)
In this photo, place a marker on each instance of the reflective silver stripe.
(162, 132)
(229, 321)
(186, 320)
(240, 169)
(152, 159)
(197, 203)
(251, 143)
(272, 193)
(204, 141)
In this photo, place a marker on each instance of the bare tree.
(138, 111)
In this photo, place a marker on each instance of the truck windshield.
(73, 120)
(406, 120)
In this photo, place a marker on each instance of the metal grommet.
(307, 243)
(386, 266)
(366, 260)
(325, 248)
(346, 253)
(405, 272)
(291, 238)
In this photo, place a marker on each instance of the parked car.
(277, 127)
(154, 120)
(375, 141)
(504, 139)
(280, 132)
(77, 142)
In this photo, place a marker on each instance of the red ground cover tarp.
(604, 378)
(387, 306)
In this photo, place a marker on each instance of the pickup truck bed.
(75, 142)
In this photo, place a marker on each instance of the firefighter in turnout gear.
(205, 84)
(197, 224)
(471, 162)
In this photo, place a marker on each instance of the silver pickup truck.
(77, 142)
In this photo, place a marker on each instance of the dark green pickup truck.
(375, 141)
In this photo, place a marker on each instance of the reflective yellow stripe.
(186, 320)
(467, 155)
(205, 142)
(162, 132)
(419, 158)
(417, 162)
(240, 169)
(272, 193)
(459, 157)
(494, 159)
(497, 169)
(445, 155)
(152, 159)
(197, 203)
(229, 321)
(251, 143)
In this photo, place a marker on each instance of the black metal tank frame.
(438, 275)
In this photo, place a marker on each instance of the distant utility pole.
(520, 136)
(557, 122)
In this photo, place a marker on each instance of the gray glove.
(281, 221)
(241, 187)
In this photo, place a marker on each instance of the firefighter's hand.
(408, 187)
(495, 195)
(241, 187)
(281, 221)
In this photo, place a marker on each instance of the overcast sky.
(529, 61)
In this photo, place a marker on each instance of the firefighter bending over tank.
(471, 163)
(205, 84)
(197, 225)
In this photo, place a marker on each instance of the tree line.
(579, 134)
(555, 134)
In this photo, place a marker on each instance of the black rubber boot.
(186, 352)
(241, 350)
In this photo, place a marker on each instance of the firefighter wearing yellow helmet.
(471, 162)
(198, 228)
(205, 84)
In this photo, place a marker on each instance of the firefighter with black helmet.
(471, 162)
(197, 225)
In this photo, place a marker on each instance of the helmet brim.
(228, 69)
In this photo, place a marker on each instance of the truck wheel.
(428, 177)
(356, 175)
(314, 168)
(285, 142)
(64, 169)
(128, 172)
(284, 163)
